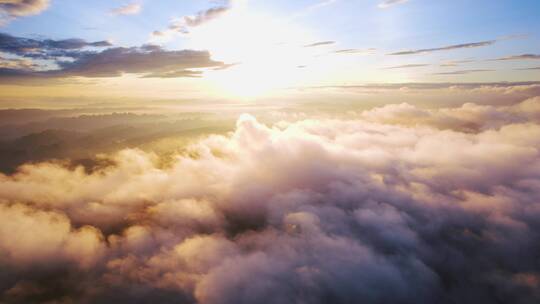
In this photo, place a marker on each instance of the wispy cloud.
(355, 51)
(496, 86)
(520, 57)
(463, 72)
(407, 66)
(530, 69)
(205, 16)
(322, 4)
(454, 63)
(389, 3)
(128, 9)
(320, 43)
(183, 25)
(446, 48)
(313, 7)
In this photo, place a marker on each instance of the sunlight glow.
(267, 51)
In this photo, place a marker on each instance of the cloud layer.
(432, 205)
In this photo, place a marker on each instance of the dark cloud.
(407, 66)
(46, 48)
(446, 48)
(116, 61)
(529, 69)
(148, 60)
(320, 43)
(312, 211)
(520, 57)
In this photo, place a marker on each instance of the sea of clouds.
(395, 205)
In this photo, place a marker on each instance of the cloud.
(175, 74)
(321, 43)
(389, 3)
(441, 85)
(226, 66)
(454, 63)
(468, 118)
(446, 48)
(463, 72)
(17, 64)
(520, 57)
(355, 51)
(183, 25)
(46, 48)
(529, 69)
(312, 211)
(314, 7)
(11, 9)
(149, 61)
(407, 66)
(446, 94)
(127, 9)
(205, 16)
(321, 4)
(45, 237)
(115, 61)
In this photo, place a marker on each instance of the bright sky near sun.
(248, 48)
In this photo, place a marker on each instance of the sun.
(266, 51)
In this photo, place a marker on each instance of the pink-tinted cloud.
(314, 211)
(128, 9)
(10, 9)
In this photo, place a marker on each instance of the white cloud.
(389, 3)
(128, 9)
(335, 208)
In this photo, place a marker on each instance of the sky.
(274, 152)
(250, 49)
